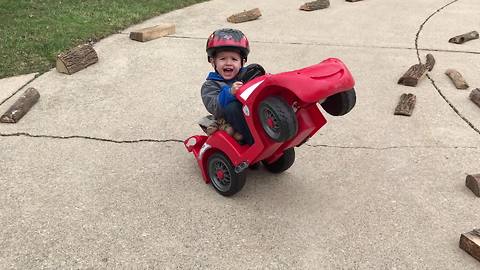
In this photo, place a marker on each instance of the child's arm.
(210, 92)
(227, 93)
(225, 96)
(215, 96)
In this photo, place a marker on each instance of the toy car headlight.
(191, 142)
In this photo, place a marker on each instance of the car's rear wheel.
(223, 176)
(278, 119)
(283, 163)
(340, 103)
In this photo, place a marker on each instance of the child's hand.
(235, 87)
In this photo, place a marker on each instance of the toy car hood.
(310, 84)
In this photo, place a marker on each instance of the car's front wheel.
(278, 119)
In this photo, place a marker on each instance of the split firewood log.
(457, 79)
(473, 183)
(76, 59)
(430, 62)
(470, 242)
(415, 72)
(406, 105)
(21, 106)
(464, 37)
(475, 96)
(319, 4)
(245, 16)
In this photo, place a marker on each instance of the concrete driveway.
(81, 188)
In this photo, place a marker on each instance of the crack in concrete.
(452, 106)
(425, 22)
(25, 134)
(431, 79)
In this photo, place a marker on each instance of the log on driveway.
(475, 96)
(430, 62)
(457, 79)
(405, 105)
(464, 37)
(21, 106)
(473, 183)
(245, 16)
(76, 59)
(154, 32)
(319, 4)
(413, 74)
(470, 242)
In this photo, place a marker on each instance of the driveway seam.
(343, 45)
(430, 78)
(393, 147)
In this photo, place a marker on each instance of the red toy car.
(281, 112)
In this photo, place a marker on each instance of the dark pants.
(234, 116)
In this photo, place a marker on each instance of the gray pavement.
(370, 191)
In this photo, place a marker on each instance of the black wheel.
(277, 119)
(283, 163)
(223, 176)
(340, 103)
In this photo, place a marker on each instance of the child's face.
(228, 64)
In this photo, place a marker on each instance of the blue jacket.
(216, 93)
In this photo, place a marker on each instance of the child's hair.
(227, 39)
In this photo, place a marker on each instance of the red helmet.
(227, 39)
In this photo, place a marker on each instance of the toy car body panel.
(309, 85)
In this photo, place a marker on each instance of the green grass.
(33, 32)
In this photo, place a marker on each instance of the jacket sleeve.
(210, 91)
(215, 96)
(225, 96)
